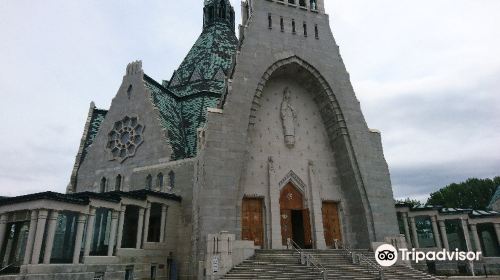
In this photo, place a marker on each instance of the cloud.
(424, 71)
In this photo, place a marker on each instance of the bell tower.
(218, 11)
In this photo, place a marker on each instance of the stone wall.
(132, 100)
(364, 176)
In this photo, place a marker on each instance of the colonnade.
(43, 226)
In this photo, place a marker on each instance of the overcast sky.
(427, 74)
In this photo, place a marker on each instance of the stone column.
(442, 226)
(435, 230)
(146, 224)
(140, 225)
(51, 233)
(414, 232)
(3, 229)
(40, 229)
(163, 222)
(80, 225)
(407, 228)
(120, 227)
(89, 235)
(317, 219)
(112, 233)
(466, 233)
(274, 206)
(497, 230)
(475, 236)
(31, 237)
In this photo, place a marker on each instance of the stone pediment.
(293, 178)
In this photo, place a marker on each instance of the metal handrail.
(308, 259)
(359, 258)
(7, 266)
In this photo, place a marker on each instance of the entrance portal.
(295, 220)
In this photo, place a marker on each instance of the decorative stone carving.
(270, 161)
(125, 138)
(288, 118)
(134, 68)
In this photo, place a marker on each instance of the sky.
(427, 74)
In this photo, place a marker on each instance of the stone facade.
(269, 120)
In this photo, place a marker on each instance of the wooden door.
(252, 222)
(331, 223)
(286, 225)
(307, 228)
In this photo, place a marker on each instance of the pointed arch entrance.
(294, 217)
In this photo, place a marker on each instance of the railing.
(307, 259)
(2, 270)
(359, 258)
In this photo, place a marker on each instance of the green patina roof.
(197, 84)
(95, 123)
(207, 63)
(496, 196)
(180, 116)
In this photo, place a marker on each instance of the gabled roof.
(96, 119)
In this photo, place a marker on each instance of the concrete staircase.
(285, 264)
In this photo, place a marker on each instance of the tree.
(472, 194)
(412, 202)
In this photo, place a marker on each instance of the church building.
(256, 141)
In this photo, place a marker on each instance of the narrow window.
(291, 2)
(103, 185)
(159, 182)
(302, 3)
(171, 179)
(153, 272)
(129, 272)
(314, 6)
(316, 31)
(129, 91)
(149, 182)
(293, 26)
(282, 24)
(118, 183)
(305, 29)
(210, 13)
(270, 21)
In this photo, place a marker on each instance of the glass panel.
(488, 240)
(154, 223)
(102, 229)
(455, 234)
(64, 239)
(130, 227)
(14, 246)
(424, 232)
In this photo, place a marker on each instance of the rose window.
(124, 138)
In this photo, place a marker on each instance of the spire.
(218, 11)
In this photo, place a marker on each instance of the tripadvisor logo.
(387, 255)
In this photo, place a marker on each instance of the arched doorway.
(294, 217)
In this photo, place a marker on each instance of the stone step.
(285, 264)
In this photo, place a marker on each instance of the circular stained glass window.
(125, 138)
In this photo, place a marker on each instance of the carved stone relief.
(288, 119)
